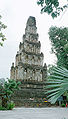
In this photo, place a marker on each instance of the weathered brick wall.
(29, 97)
(32, 95)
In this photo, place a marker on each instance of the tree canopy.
(52, 7)
(57, 83)
(59, 42)
(2, 36)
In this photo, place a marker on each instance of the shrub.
(10, 106)
(6, 92)
(2, 108)
(63, 105)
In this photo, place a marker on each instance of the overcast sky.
(15, 14)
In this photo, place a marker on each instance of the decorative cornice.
(31, 34)
(38, 44)
(30, 66)
(32, 53)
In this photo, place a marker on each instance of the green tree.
(2, 36)
(59, 42)
(52, 7)
(6, 91)
(57, 84)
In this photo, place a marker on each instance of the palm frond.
(57, 83)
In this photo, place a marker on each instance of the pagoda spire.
(29, 58)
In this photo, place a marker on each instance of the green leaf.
(54, 14)
(57, 85)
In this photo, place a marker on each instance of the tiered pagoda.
(29, 59)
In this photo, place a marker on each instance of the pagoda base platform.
(31, 94)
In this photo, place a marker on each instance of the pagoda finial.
(31, 21)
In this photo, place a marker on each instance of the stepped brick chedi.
(29, 59)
